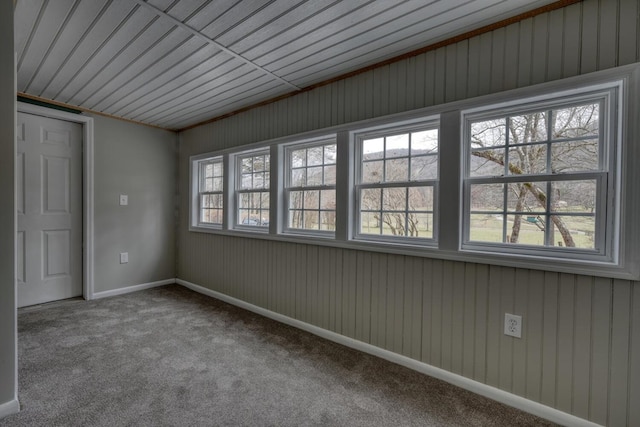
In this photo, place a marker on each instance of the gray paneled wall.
(581, 340)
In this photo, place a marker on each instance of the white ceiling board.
(174, 63)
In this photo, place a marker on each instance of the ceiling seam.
(213, 42)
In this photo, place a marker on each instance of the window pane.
(217, 184)
(298, 177)
(574, 196)
(328, 220)
(525, 229)
(328, 199)
(258, 163)
(576, 122)
(314, 176)
(330, 154)
(295, 218)
(421, 198)
(330, 175)
(296, 199)
(487, 163)
(528, 128)
(424, 167)
(369, 223)
(298, 158)
(574, 156)
(370, 199)
(311, 200)
(485, 228)
(487, 197)
(527, 197)
(372, 171)
(311, 220)
(247, 181)
(315, 156)
(573, 231)
(394, 224)
(421, 225)
(247, 165)
(490, 133)
(397, 146)
(394, 199)
(528, 160)
(373, 149)
(396, 170)
(424, 142)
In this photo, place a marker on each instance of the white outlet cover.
(124, 200)
(124, 257)
(513, 325)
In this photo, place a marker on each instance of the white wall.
(7, 212)
(138, 161)
(581, 338)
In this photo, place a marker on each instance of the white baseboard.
(493, 393)
(9, 408)
(132, 288)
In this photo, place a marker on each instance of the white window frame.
(607, 176)
(288, 188)
(622, 240)
(238, 191)
(196, 164)
(359, 185)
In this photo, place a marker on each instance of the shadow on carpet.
(172, 357)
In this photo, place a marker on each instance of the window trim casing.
(284, 164)
(359, 135)
(608, 176)
(627, 238)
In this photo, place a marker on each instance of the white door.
(49, 186)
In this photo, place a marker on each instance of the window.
(252, 189)
(539, 178)
(396, 183)
(310, 186)
(210, 186)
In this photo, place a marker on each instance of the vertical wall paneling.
(600, 349)
(550, 340)
(628, 32)
(581, 335)
(498, 46)
(511, 54)
(566, 330)
(582, 346)
(570, 40)
(520, 307)
(525, 52)
(457, 317)
(469, 324)
(481, 323)
(533, 333)
(620, 334)
(554, 45)
(540, 49)
(507, 295)
(589, 36)
(608, 52)
(634, 356)
(484, 63)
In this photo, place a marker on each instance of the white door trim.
(87, 183)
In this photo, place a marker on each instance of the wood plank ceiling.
(175, 63)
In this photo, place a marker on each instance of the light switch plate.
(124, 200)
(124, 257)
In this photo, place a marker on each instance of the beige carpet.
(172, 357)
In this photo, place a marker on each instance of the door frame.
(87, 187)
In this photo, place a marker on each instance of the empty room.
(333, 212)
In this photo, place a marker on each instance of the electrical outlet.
(513, 325)
(124, 200)
(124, 257)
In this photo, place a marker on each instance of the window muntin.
(396, 184)
(539, 179)
(310, 186)
(210, 191)
(252, 189)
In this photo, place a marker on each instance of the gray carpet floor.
(171, 357)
